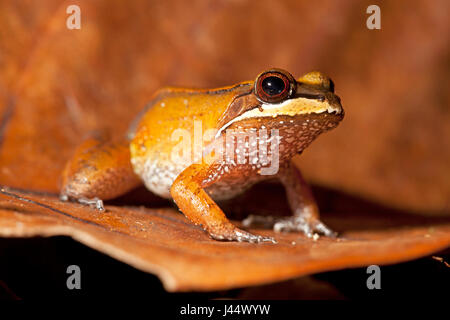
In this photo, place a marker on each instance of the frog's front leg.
(188, 193)
(305, 216)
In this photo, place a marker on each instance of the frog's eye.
(274, 86)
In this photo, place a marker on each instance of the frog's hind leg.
(305, 216)
(99, 170)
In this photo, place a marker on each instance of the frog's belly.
(159, 176)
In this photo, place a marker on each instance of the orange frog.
(198, 145)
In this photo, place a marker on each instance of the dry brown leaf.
(57, 85)
(163, 242)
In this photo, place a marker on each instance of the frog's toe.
(299, 224)
(242, 236)
(248, 237)
(323, 229)
(93, 203)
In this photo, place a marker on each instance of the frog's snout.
(317, 86)
(334, 104)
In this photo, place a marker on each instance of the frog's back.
(161, 136)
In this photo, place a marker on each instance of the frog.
(294, 111)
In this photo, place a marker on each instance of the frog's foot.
(309, 227)
(93, 203)
(236, 234)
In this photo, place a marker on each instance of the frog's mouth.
(299, 105)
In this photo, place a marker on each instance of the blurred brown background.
(393, 146)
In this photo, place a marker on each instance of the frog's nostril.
(331, 86)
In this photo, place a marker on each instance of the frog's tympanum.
(197, 146)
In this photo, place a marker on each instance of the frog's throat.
(291, 107)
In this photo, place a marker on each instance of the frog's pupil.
(273, 85)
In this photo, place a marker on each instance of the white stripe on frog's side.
(157, 176)
(290, 107)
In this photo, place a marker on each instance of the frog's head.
(300, 109)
